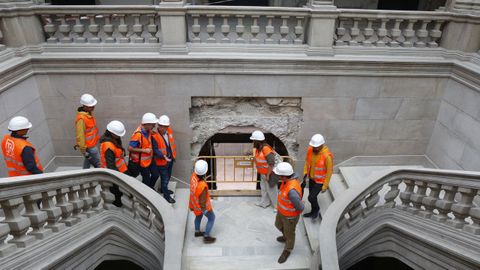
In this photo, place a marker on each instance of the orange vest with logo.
(284, 205)
(145, 159)
(91, 130)
(320, 169)
(196, 188)
(117, 151)
(12, 149)
(261, 160)
(162, 146)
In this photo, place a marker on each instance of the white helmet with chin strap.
(201, 167)
(116, 127)
(19, 123)
(317, 140)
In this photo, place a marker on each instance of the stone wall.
(24, 99)
(455, 142)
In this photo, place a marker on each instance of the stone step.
(337, 185)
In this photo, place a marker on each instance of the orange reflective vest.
(12, 149)
(284, 205)
(117, 151)
(320, 169)
(145, 143)
(91, 130)
(162, 146)
(196, 188)
(261, 159)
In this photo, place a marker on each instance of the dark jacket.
(109, 154)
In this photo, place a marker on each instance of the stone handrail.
(71, 198)
(251, 25)
(358, 202)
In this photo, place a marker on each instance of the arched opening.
(380, 263)
(118, 264)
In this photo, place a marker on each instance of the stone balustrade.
(378, 28)
(247, 25)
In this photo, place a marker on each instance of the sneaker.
(283, 258)
(281, 239)
(262, 205)
(170, 192)
(307, 215)
(170, 200)
(198, 234)
(208, 239)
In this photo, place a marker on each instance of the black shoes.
(283, 258)
(311, 215)
(198, 234)
(209, 239)
(281, 239)
(170, 200)
(170, 192)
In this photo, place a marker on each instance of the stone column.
(464, 33)
(173, 23)
(322, 27)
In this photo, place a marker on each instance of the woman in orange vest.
(112, 154)
(200, 201)
(319, 169)
(19, 154)
(289, 206)
(87, 134)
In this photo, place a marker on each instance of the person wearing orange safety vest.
(167, 153)
(87, 134)
(318, 169)
(141, 151)
(200, 201)
(264, 162)
(20, 156)
(112, 154)
(289, 205)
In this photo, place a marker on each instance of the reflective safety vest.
(12, 149)
(261, 160)
(145, 159)
(196, 188)
(284, 205)
(320, 169)
(91, 131)
(162, 146)
(117, 151)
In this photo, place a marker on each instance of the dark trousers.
(149, 175)
(287, 225)
(115, 190)
(313, 191)
(165, 174)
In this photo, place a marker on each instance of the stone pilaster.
(173, 26)
(463, 34)
(322, 27)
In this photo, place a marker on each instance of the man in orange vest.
(318, 168)
(87, 134)
(141, 151)
(166, 154)
(264, 162)
(289, 206)
(19, 154)
(200, 201)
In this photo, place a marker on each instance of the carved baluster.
(144, 214)
(417, 197)
(96, 198)
(137, 29)
(196, 28)
(444, 205)
(159, 226)
(18, 225)
(93, 28)
(225, 29)
(108, 29)
(255, 30)
(409, 34)
(342, 225)
(240, 29)
(299, 31)
(422, 35)
(435, 34)
(429, 201)
(107, 196)
(341, 33)
(79, 29)
(87, 201)
(66, 207)
(368, 33)
(355, 212)
(152, 29)
(211, 29)
(123, 29)
(53, 213)
(382, 33)
(405, 195)
(392, 194)
(5, 248)
(396, 33)
(50, 28)
(460, 209)
(37, 218)
(371, 201)
(269, 30)
(284, 30)
(64, 29)
(475, 216)
(354, 33)
(76, 202)
(2, 47)
(128, 203)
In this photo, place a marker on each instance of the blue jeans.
(165, 174)
(211, 220)
(93, 158)
(149, 175)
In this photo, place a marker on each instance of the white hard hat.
(283, 168)
(201, 167)
(116, 127)
(149, 118)
(164, 120)
(88, 100)
(257, 135)
(317, 140)
(19, 123)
